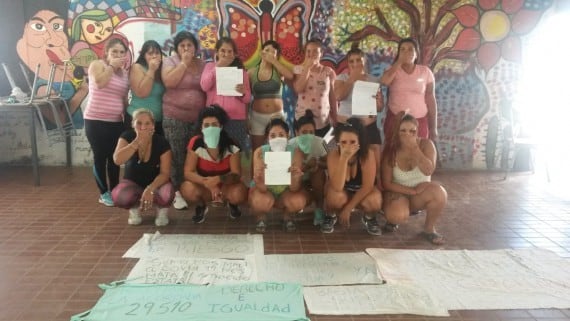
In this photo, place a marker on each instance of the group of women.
(185, 140)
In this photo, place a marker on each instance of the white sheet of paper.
(277, 170)
(161, 270)
(226, 246)
(474, 280)
(371, 299)
(319, 269)
(329, 136)
(227, 78)
(364, 98)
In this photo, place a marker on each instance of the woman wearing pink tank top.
(411, 90)
(108, 88)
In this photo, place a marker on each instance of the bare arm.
(285, 72)
(432, 110)
(163, 176)
(124, 151)
(259, 170)
(337, 177)
(342, 88)
(172, 75)
(296, 177)
(141, 81)
(368, 166)
(426, 156)
(300, 81)
(332, 99)
(100, 73)
(388, 75)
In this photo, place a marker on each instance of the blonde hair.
(142, 111)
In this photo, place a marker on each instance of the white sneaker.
(134, 217)
(179, 202)
(161, 217)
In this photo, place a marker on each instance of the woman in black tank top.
(352, 170)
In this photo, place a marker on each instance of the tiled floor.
(57, 243)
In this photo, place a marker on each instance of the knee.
(261, 202)
(126, 194)
(439, 195)
(397, 215)
(164, 195)
(236, 193)
(190, 191)
(335, 200)
(373, 202)
(294, 202)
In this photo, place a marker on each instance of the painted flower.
(494, 28)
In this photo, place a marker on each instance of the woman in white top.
(407, 166)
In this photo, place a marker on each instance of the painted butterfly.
(286, 22)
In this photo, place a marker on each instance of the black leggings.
(103, 137)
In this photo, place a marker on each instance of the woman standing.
(213, 166)
(108, 87)
(182, 102)
(407, 167)
(235, 106)
(147, 157)
(146, 84)
(267, 88)
(343, 91)
(314, 85)
(411, 90)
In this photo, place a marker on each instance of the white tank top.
(410, 178)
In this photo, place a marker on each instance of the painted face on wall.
(44, 42)
(94, 32)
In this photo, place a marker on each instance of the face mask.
(305, 142)
(212, 136)
(278, 144)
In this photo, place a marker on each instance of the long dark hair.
(227, 40)
(353, 125)
(278, 121)
(393, 143)
(308, 118)
(220, 114)
(414, 43)
(150, 45)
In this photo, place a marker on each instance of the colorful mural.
(473, 46)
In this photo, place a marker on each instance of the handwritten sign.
(249, 301)
(160, 270)
(372, 299)
(474, 280)
(228, 246)
(320, 269)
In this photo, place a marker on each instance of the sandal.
(434, 238)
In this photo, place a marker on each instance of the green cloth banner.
(157, 302)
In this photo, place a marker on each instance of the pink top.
(316, 96)
(107, 103)
(407, 91)
(186, 100)
(235, 106)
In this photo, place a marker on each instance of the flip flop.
(434, 238)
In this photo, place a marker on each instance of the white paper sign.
(277, 168)
(226, 246)
(227, 78)
(159, 270)
(473, 280)
(320, 269)
(371, 299)
(364, 98)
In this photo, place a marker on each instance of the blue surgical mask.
(305, 142)
(212, 136)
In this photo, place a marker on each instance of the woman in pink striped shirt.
(108, 88)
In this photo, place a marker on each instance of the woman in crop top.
(409, 162)
(351, 183)
(266, 87)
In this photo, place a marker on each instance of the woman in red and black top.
(212, 170)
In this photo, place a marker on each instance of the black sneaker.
(234, 211)
(260, 226)
(389, 227)
(289, 226)
(327, 226)
(200, 215)
(371, 224)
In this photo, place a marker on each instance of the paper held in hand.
(277, 168)
(227, 78)
(364, 98)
